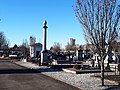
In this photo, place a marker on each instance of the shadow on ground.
(49, 70)
(27, 71)
(113, 87)
(17, 71)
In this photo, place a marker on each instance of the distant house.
(3, 52)
(35, 50)
(10, 52)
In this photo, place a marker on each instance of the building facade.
(71, 41)
(35, 50)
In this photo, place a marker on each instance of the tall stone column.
(44, 50)
(44, 34)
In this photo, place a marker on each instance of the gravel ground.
(82, 81)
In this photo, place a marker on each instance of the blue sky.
(22, 18)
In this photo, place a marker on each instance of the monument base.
(44, 57)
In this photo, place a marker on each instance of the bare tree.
(100, 22)
(25, 43)
(69, 47)
(56, 47)
(25, 48)
(3, 40)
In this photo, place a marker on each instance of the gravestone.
(80, 54)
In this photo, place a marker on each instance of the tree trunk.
(98, 60)
(99, 63)
(108, 65)
(109, 57)
(102, 71)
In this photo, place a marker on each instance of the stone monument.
(44, 51)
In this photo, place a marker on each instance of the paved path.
(14, 77)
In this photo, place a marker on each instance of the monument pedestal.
(44, 57)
